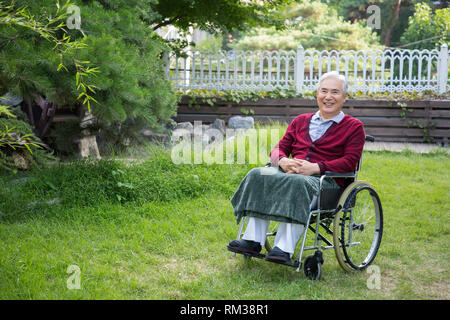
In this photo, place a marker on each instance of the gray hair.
(335, 74)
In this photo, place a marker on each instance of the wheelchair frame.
(345, 206)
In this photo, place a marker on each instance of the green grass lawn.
(155, 230)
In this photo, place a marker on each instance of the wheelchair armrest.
(333, 174)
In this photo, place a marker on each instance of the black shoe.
(278, 255)
(245, 247)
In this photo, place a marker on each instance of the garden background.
(134, 225)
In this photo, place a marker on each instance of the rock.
(182, 132)
(171, 125)
(9, 100)
(239, 122)
(215, 131)
(184, 125)
(212, 135)
(20, 161)
(207, 134)
(218, 124)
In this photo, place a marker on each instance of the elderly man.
(327, 140)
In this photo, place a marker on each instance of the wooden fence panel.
(418, 121)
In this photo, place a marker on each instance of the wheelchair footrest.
(289, 263)
(248, 254)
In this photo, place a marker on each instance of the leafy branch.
(63, 45)
(10, 138)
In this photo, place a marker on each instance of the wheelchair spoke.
(360, 228)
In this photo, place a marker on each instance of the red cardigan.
(339, 149)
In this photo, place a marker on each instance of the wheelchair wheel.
(358, 227)
(312, 268)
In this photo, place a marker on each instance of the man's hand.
(289, 165)
(308, 168)
(299, 166)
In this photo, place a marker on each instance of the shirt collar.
(337, 118)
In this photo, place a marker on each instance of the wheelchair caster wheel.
(313, 266)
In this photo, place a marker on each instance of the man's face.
(330, 97)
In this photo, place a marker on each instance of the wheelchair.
(349, 220)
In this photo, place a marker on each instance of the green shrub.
(314, 25)
(19, 147)
(426, 24)
(86, 183)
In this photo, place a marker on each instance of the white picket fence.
(374, 71)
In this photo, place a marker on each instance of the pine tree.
(114, 41)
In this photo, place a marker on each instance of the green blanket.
(271, 194)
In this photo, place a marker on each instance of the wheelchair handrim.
(342, 249)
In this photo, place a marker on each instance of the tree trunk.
(387, 39)
(48, 112)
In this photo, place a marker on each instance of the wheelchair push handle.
(370, 138)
